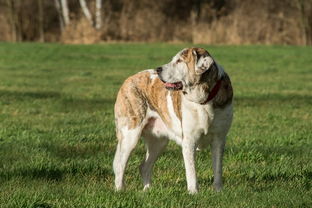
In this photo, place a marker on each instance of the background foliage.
(196, 21)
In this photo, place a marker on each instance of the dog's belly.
(155, 127)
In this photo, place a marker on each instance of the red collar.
(213, 92)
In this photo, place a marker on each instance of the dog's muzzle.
(169, 86)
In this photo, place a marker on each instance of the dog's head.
(185, 72)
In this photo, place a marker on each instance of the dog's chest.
(196, 119)
(157, 127)
(195, 123)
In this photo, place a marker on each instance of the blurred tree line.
(197, 21)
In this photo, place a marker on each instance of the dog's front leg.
(188, 150)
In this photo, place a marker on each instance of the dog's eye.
(179, 61)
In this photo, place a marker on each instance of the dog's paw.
(119, 187)
(217, 187)
(146, 187)
(193, 191)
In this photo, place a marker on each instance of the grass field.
(57, 137)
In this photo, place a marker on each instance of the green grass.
(57, 137)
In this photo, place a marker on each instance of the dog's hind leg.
(217, 149)
(128, 138)
(154, 147)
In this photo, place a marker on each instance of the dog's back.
(139, 93)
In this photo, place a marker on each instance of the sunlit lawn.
(57, 137)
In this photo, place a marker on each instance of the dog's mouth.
(173, 86)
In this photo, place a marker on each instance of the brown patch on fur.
(201, 52)
(208, 80)
(156, 96)
(140, 92)
(176, 100)
(130, 106)
(190, 59)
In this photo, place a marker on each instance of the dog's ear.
(203, 61)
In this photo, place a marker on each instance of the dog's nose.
(158, 70)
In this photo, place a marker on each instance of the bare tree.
(14, 22)
(59, 11)
(86, 11)
(304, 6)
(40, 22)
(98, 14)
(65, 12)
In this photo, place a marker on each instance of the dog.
(188, 100)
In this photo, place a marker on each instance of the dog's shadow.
(295, 100)
(63, 159)
(272, 156)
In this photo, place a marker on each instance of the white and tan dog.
(188, 100)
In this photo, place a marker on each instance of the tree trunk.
(40, 22)
(86, 11)
(65, 12)
(98, 14)
(10, 4)
(302, 21)
(59, 12)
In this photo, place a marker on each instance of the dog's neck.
(213, 85)
(213, 92)
(219, 87)
(213, 80)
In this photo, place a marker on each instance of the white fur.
(201, 125)
(175, 71)
(153, 74)
(203, 64)
(176, 129)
